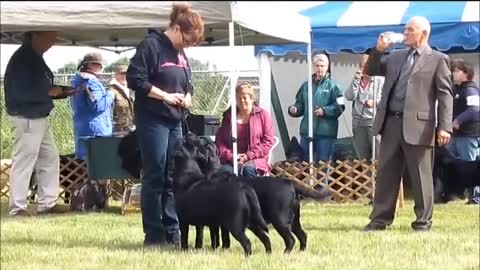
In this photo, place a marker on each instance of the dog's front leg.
(183, 235)
(199, 237)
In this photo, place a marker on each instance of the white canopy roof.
(125, 23)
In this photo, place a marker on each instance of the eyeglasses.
(187, 42)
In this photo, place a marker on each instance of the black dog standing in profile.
(278, 197)
(231, 205)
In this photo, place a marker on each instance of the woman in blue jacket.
(91, 106)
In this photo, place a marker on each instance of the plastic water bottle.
(394, 37)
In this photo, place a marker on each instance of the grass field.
(111, 241)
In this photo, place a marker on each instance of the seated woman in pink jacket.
(254, 135)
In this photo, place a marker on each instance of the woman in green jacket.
(327, 107)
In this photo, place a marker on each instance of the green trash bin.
(103, 160)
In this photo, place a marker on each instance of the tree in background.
(68, 68)
(210, 97)
(121, 61)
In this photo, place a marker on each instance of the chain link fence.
(211, 97)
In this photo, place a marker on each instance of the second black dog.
(233, 206)
(278, 198)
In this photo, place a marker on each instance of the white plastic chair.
(276, 141)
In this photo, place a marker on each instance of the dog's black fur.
(278, 198)
(89, 196)
(233, 206)
(294, 150)
(129, 152)
(452, 176)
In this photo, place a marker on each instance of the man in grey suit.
(408, 119)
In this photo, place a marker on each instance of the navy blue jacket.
(27, 81)
(156, 62)
(466, 109)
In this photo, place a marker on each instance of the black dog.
(278, 198)
(452, 176)
(129, 152)
(89, 196)
(233, 206)
(294, 150)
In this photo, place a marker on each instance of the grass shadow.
(22, 241)
(334, 228)
(113, 208)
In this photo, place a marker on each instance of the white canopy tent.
(107, 23)
(124, 24)
(342, 28)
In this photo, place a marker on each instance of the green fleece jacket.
(325, 94)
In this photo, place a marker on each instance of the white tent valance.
(125, 23)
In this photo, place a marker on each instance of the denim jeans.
(466, 148)
(245, 170)
(322, 148)
(158, 139)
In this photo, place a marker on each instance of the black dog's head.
(185, 159)
(294, 151)
(196, 159)
(208, 157)
(186, 168)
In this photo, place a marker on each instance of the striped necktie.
(407, 66)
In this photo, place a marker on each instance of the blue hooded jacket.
(91, 108)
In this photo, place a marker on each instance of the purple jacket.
(261, 139)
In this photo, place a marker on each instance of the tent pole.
(374, 111)
(265, 81)
(310, 108)
(233, 100)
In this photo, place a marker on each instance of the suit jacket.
(429, 82)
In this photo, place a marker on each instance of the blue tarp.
(355, 26)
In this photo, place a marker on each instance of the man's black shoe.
(421, 228)
(373, 227)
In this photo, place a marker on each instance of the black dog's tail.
(309, 192)
(256, 212)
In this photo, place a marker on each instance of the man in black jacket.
(29, 90)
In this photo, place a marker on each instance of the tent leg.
(233, 101)
(310, 109)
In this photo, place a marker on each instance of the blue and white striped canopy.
(355, 26)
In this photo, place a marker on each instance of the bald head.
(417, 31)
(422, 23)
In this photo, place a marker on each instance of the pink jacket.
(261, 139)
